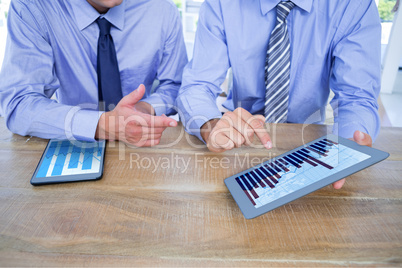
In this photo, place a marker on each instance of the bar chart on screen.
(287, 174)
(70, 158)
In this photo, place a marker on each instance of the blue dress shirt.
(334, 45)
(52, 48)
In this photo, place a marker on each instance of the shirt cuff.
(195, 128)
(84, 124)
(194, 115)
(347, 122)
(159, 105)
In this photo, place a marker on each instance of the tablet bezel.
(36, 181)
(249, 211)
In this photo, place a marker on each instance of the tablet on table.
(70, 161)
(299, 172)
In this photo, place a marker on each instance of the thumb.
(133, 97)
(362, 138)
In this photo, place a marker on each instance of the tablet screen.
(297, 170)
(65, 157)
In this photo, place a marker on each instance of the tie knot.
(283, 9)
(104, 26)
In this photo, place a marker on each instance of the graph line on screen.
(275, 179)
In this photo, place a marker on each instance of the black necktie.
(109, 83)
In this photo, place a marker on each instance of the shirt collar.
(85, 14)
(268, 5)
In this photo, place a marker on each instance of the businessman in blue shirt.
(52, 48)
(315, 46)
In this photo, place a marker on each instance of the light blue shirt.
(334, 45)
(52, 48)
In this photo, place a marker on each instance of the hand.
(233, 130)
(144, 107)
(362, 139)
(131, 125)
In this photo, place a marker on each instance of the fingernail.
(269, 145)
(361, 135)
(172, 124)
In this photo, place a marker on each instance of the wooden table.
(184, 216)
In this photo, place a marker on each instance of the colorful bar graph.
(324, 143)
(316, 160)
(267, 175)
(305, 159)
(259, 179)
(318, 148)
(274, 167)
(316, 151)
(327, 143)
(245, 191)
(292, 162)
(266, 180)
(295, 159)
(279, 164)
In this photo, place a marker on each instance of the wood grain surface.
(168, 206)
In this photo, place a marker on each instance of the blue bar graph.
(58, 166)
(64, 157)
(87, 163)
(75, 157)
(46, 161)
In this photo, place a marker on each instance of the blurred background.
(391, 40)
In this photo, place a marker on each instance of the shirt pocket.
(132, 77)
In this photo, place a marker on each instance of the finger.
(225, 128)
(160, 121)
(338, 184)
(133, 97)
(134, 129)
(237, 119)
(250, 139)
(151, 121)
(236, 137)
(219, 142)
(257, 124)
(362, 138)
(135, 134)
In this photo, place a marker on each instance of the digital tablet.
(298, 172)
(70, 161)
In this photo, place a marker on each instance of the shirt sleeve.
(170, 70)
(28, 81)
(205, 73)
(356, 71)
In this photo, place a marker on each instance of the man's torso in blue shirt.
(334, 44)
(52, 47)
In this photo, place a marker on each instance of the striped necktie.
(277, 68)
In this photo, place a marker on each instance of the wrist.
(101, 129)
(207, 128)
